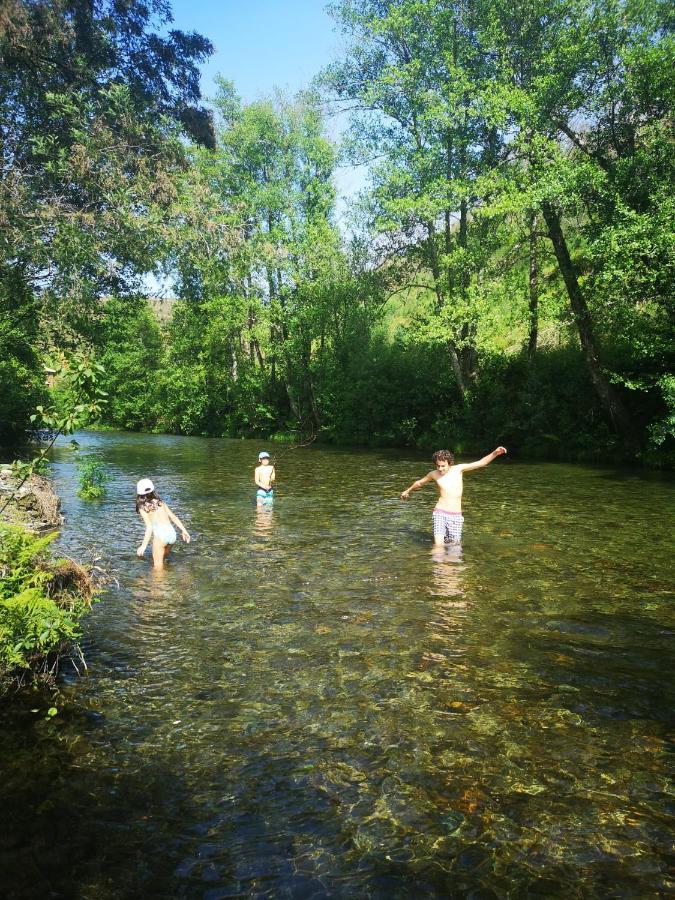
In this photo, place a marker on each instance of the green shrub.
(23, 387)
(42, 601)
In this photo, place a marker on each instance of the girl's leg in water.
(158, 553)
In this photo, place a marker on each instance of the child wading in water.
(264, 479)
(157, 518)
(447, 515)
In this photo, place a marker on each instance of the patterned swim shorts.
(448, 525)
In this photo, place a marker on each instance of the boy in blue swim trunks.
(265, 477)
(447, 515)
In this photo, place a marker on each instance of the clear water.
(312, 702)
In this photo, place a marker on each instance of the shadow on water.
(311, 701)
(77, 831)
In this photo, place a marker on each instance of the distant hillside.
(162, 307)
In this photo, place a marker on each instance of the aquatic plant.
(93, 478)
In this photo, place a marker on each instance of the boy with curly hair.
(447, 515)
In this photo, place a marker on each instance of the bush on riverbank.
(543, 408)
(21, 376)
(42, 601)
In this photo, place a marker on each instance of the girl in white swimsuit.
(158, 520)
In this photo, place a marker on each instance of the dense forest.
(507, 276)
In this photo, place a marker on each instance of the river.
(311, 701)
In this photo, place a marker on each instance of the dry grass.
(69, 580)
(48, 503)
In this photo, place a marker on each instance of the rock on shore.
(33, 504)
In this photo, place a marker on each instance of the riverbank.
(42, 599)
(32, 504)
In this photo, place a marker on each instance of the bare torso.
(450, 489)
(264, 477)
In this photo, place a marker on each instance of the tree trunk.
(448, 175)
(432, 257)
(235, 366)
(609, 400)
(533, 290)
(273, 355)
(294, 407)
(468, 355)
(258, 355)
(316, 419)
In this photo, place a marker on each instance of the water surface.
(312, 701)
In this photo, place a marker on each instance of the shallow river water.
(312, 702)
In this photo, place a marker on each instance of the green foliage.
(130, 350)
(23, 390)
(19, 553)
(92, 478)
(544, 409)
(259, 265)
(23, 469)
(79, 400)
(661, 446)
(93, 100)
(385, 394)
(21, 367)
(489, 115)
(519, 209)
(40, 608)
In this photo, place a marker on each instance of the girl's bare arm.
(148, 533)
(183, 530)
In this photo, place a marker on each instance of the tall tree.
(585, 102)
(413, 77)
(92, 104)
(270, 184)
(480, 109)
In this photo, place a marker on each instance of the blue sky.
(261, 44)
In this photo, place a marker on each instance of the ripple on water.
(311, 701)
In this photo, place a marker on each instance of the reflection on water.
(264, 519)
(311, 700)
(446, 570)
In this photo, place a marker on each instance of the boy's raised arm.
(485, 461)
(416, 485)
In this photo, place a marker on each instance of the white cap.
(144, 486)
(263, 454)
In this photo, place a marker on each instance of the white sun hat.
(144, 486)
